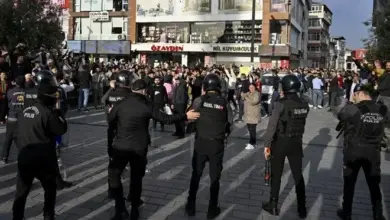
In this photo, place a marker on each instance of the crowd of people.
(216, 92)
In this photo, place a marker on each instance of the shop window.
(278, 5)
(224, 32)
(163, 32)
(116, 30)
(100, 5)
(237, 6)
(120, 5)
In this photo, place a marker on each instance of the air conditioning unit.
(122, 37)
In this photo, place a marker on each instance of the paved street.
(166, 183)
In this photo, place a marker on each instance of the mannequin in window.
(227, 4)
(163, 37)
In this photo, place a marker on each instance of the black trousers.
(160, 106)
(9, 138)
(180, 126)
(241, 109)
(45, 171)
(3, 109)
(332, 99)
(97, 95)
(292, 149)
(230, 97)
(252, 133)
(137, 171)
(370, 161)
(199, 159)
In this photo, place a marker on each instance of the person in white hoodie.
(232, 81)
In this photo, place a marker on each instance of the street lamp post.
(253, 31)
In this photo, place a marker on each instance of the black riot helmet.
(290, 84)
(212, 82)
(46, 77)
(123, 78)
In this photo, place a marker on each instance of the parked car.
(267, 86)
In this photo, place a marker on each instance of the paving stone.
(240, 198)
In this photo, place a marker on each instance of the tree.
(32, 22)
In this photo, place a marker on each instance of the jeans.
(83, 98)
(310, 95)
(317, 97)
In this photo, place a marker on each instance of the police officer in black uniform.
(45, 77)
(284, 139)
(122, 90)
(364, 124)
(211, 130)
(37, 128)
(131, 119)
(15, 98)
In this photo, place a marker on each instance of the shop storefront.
(279, 56)
(196, 54)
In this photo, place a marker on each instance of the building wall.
(319, 43)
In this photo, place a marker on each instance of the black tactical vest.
(30, 96)
(293, 118)
(369, 129)
(117, 95)
(17, 103)
(214, 117)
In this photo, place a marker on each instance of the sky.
(348, 18)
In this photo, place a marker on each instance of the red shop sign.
(167, 48)
(266, 65)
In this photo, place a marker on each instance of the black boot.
(271, 207)
(134, 213)
(343, 215)
(302, 211)
(213, 212)
(190, 208)
(124, 215)
(62, 184)
(379, 217)
(48, 216)
(378, 212)
(109, 194)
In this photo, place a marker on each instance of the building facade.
(349, 63)
(101, 27)
(332, 54)
(340, 48)
(284, 36)
(193, 32)
(320, 20)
